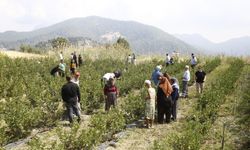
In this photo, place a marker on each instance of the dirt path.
(16, 54)
(143, 139)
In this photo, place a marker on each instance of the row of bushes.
(102, 126)
(205, 113)
(30, 96)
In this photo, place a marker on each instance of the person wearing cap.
(156, 74)
(185, 80)
(193, 61)
(111, 94)
(164, 100)
(175, 97)
(107, 76)
(150, 104)
(71, 96)
(200, 77)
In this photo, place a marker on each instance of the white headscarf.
(147, 82)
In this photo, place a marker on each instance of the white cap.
(147, 82)
(187, 67)
(158, 67)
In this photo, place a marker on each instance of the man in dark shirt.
(200, 77)
(71, 95)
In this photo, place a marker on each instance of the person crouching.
(111, 94)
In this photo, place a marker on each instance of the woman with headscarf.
(175, 96)
(150, 104)
(164, 100)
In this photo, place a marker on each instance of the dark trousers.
(185, 88)
(164, 109)
(72, 108)
(174, 109)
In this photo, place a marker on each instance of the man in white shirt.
(185, 79)
(193, 61)
(167, 59)
(113, 75)
(129, 59)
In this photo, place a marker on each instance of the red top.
(109, 89)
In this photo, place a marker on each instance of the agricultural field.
(31, 107)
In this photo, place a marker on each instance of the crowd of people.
(163, 92)
(60, 69)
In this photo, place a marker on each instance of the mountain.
(236, 46)
(142, 38)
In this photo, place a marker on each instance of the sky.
(216, 20)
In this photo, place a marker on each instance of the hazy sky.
(217, 20)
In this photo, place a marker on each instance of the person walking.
(150, 104)
(71, 96)
(185, 80)
(193, 61)
(200, 78)
(111, 93)
(156, 74)
(164, 100)
(175, 97)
